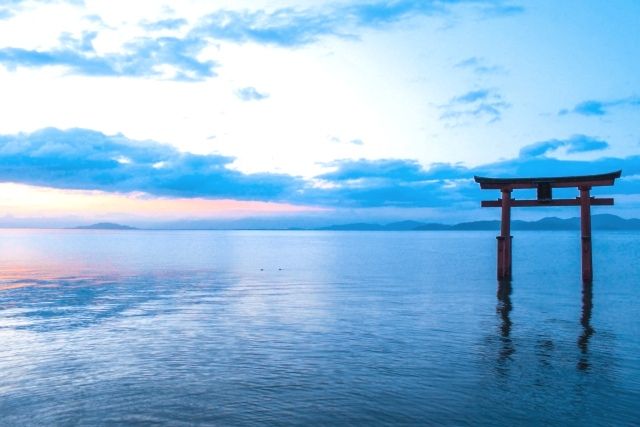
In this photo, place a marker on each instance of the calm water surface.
(316, 328)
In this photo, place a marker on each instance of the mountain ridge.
(104, 226)
(598, 222)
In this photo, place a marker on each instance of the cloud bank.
(89, 160)
(85, 159)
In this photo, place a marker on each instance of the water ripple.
(358, 329)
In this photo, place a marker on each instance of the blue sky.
(361, 109)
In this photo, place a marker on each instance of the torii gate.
(544, 187)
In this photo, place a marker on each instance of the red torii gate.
(544, 187)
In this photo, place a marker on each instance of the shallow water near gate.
(301, 327)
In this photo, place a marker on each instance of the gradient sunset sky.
(148, 111)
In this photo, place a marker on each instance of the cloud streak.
(250, 94)
(290, 27)
(478, 66)
(9, 8)
(149, 56)
(143, 57)
(481, 104)
(575, 144)
(601, 108)
(164, 24)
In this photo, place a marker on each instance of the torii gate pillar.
(544, 187)
(585, 231)
(505, 239)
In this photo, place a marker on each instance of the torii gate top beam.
(562, 181)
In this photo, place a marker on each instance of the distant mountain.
(403, 225)
(614, 222)
(550, 223)
(433, 226)
(479, 225)
(598, 222)
(364, 226)
(359, 226)
(105, 226)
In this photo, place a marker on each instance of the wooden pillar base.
(504, 257)
(587, 261)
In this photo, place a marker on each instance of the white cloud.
(382, 87)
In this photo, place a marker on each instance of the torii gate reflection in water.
(544, 187)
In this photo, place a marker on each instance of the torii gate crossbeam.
(544, 186)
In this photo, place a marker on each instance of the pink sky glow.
(29, 201)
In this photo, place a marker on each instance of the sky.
(152, 112)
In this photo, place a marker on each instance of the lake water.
(316, 328)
